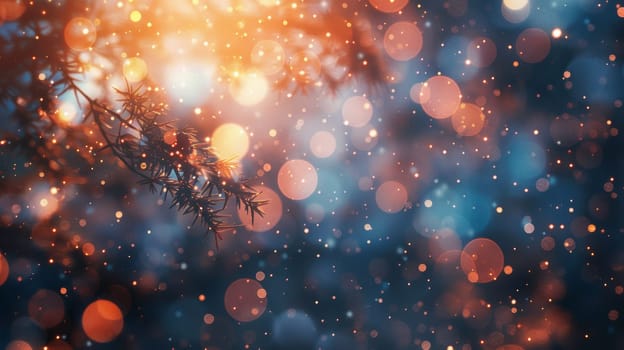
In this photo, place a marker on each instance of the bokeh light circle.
(391, 196)
(420, 93)
(102, 321)
(514, 12)
(18, 345)
(297, 179)
(388, 6)
(245, 300)
(482, 260)
(468, 120)
(4, 269)
(515, 5)
(357, 111)
(481, 52)
(444, 97)
(134, 69)
(268, 56)
(11, 10)
(230, 141)
(403, 41)
(272, 211)
(80, 33)
(46, 308)
(322, 144)
(533, 45)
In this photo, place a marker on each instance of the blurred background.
(439, 175)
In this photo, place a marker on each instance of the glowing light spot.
(391, 197)
(468, 120)
(46, 308)
(88, 249)
(388, 6)
(272, 211)
(135, 16)
(515, 11)
(209, 319)
(357, 111)
(620, 12)
(515, 5)
(249, 88)
(556, 33)
(67, 110)
(444, 97)
(482, 260)
(245, 300)
(230, 141)
(297, 179)
(322, 144)
(102, 321)
(80, 34)
(134, 69)
(403, 41)
(119, 214)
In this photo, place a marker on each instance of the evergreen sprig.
(326, 49)
(171, 160)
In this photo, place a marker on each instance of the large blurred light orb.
(357, 111)
(230, 141)
(403, 41)
(102, 321)
(245, 300)
(444, 97)
(297, 179)
(388, 6)
(80, 33)
(134, 69)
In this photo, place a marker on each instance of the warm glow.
(102, 321)
(444, 97)
(482, 260)
(245, 300)
(268, 56)
(468, 120)
(230, 141)
(391, 197)
(515, 5)
(80, 33)
(297, 179)
(357, 111)
(389, 6)
(249, 88)
(322, 144)
(134, 69)
(403, 41)
(272, 211)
